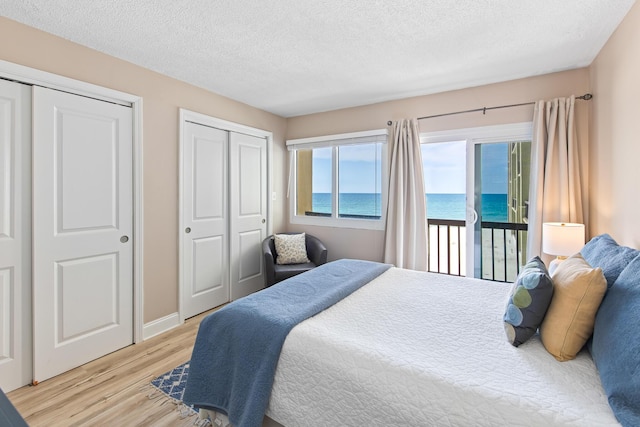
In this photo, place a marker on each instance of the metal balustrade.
(503, 248)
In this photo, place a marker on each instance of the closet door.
(82, 230)
(15, 235)
(205, 275)
(248, 212)
(223, 212)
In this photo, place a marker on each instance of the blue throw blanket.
(237, 348)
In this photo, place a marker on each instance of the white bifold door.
(15, 235)
(224, 211)
(205, 235)
(248, 212)
(82, 230)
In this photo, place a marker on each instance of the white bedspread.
(423, 349)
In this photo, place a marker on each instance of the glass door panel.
(444, 167)
(498, 184)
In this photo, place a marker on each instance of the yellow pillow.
(578, 290)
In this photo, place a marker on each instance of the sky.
(495, 169)
(444, 167)
(358, 173)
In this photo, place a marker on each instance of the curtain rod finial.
(587, 96)
(389, 123)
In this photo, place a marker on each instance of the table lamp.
(562, 239)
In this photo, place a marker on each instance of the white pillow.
(291, 248)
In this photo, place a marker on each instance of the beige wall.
(612, 161)
(162, 97)
(615, 129)
(366, 244)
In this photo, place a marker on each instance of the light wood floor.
(111, 391)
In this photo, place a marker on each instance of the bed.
(413, 349)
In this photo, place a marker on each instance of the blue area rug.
(172, 383)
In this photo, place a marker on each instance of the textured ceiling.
(294, 57)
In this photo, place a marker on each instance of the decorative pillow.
(578, 292)
(616, 345)
(602, 251)
(528, 302)
(291, 248)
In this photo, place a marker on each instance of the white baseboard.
(158, 326)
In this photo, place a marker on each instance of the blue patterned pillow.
(604, 252)
(530, 297)
(616, 345)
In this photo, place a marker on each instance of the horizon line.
(424, 193)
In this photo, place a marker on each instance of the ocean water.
(439, 206)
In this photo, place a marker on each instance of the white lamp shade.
(562, 238)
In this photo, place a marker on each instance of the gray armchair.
(274, 273)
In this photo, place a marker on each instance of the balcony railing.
(503, 248)
(342, 215)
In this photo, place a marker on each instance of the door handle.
(124, 239)
(264, 220)
(474, 214)
(187, 230)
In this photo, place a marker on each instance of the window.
(339, 180)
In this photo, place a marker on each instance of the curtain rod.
(586, 97)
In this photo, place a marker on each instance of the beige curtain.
(555, 193)
(405, 243)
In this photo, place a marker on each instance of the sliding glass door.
(477, 184)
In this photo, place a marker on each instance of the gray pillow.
(529, 300)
